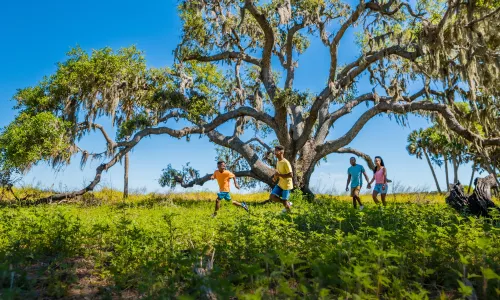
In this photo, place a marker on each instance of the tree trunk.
(471, 178)
(479, 203)
(125, 176)
(491, 170)
(495, 173)
(445, 157)
(302, 170)
(432, 170)
(304, 185)
(455, 169)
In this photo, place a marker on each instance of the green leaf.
(464, 289)
(489, 274)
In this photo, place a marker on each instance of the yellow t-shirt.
(284, 167)
(223, 179)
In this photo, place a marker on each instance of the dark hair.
(221, 162)
(280, 148)
(381, 163)
(352, 157)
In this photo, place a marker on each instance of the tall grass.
(398, 193)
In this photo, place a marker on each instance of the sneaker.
(245, 206)
(290, 203)
(213, 215)
(361, 207)
(284, 211)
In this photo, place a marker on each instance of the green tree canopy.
(236, 64)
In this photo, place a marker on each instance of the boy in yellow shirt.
(284, 175)
(223, 177)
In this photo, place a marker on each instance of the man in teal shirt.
(354, 177)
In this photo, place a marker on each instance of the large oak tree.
(236, 63)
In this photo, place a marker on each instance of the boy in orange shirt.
(223, 177)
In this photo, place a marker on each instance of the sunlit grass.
(107, 195)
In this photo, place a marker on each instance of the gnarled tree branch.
(346, 77)
(336, 40)
(267, 51)
(366, 157)
(257, 166)
(224, 56)
(202, 180)
(334, 116)
(203, 129)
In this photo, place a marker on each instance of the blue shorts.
(281, 193)
(224, 196)
(378, 188)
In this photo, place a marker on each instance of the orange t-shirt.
(223, 179)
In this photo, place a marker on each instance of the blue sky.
(37, 34)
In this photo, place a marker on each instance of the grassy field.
(161, 246)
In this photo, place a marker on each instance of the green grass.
(150, 245)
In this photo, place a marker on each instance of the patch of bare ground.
(71, 278)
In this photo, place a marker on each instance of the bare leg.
(355, 197)
(383, 199)
(263, 202)
(274, 198)
(359, 200)
(374, 196)
(242, 205)
(217, 206)
(285, 203)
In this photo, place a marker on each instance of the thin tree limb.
(260, 141)
(484, 17)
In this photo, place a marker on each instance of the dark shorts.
(224, 196)
(281, 193)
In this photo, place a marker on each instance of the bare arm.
(288, 175)
(348, 181)
(371, 181)
(288, 168)
(236, 185)
(385, 179)
(367, 180)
